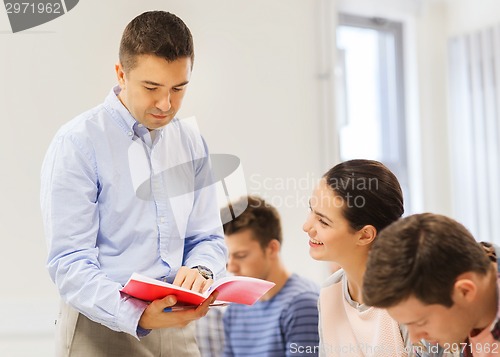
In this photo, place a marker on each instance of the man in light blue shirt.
(127, 187)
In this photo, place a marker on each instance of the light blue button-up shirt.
(117, 200)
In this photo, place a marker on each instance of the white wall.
(437, 22)
(255, 91)
(433, 107)
(466, 16)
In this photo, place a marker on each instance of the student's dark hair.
(259, 216)
(156, 33)
(370, 192)
(421, 256)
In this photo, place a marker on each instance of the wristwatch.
(204, 271)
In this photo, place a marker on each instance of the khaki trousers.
(78, 336)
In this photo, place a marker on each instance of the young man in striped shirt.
(285, 321)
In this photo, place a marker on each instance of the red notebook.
(232, 289)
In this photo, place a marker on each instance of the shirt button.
(140, 125)
(162, 219)
(130, 133)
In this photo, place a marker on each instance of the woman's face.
(331, 238)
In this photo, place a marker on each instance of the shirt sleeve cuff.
(131, 310)
(142, 332)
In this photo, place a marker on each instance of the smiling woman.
(345, 217)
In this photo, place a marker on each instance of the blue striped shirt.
(117, 200)
(285, 325)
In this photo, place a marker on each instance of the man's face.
(246, 256)
(153, 90)
(434, 323)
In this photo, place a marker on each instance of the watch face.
(205, 272)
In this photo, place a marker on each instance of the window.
(370, 93)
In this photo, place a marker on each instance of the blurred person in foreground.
(431, 275)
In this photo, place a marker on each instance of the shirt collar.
(122, 116)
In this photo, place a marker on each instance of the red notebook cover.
(235, 289)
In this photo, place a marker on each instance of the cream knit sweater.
(350, 329)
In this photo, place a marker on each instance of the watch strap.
(204, 271)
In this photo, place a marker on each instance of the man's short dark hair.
(261, 218)
(421, 255)
(156, 33)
